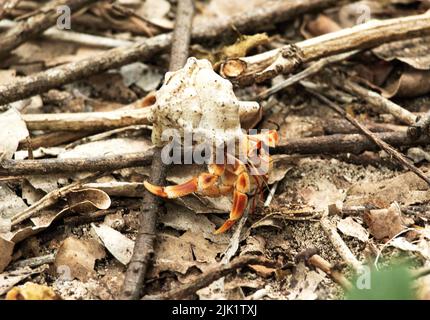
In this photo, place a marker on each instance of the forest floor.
(340, 206)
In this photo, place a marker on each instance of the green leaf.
(394, 283)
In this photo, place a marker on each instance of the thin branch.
(36, 24)
(75, 37)
(379, 103)
(152, 205)
(322, 264)
(267, 65)
(86, 121)
(262, 17)
(340, 246)
(210, 276)
(94, 164)
(313, 69)
(330, 145)
(405, 162)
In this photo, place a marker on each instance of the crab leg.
(240, 201)
(205, 183)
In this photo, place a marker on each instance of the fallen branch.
(36, 24)
(33, 262)
(379, 103)
(313, 69)
(267, 65)
(75, 37)
(152, 205)
(322, 264)
(421, 127)
(330, 145)
(47, 166)
(43, 81)
(210, 276)
(340, 246)
(86, 121)
(405, 162)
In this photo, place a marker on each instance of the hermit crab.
(196, 101)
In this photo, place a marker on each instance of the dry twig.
(36, 24)
(379, 103)
(339, 244)
(55, 77)
(152, 205)
(210, 276)
(269, 64)
(405, 162)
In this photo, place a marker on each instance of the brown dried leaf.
(386, 223)
(78, 257)
(413, 52)
(88, 200)
(411, 83)
(263, 271)
(322, 25)
(6, 251)
(406, 189)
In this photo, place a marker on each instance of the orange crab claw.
(240, 201)
(173, 192)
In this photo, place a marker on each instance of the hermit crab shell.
(196, 100)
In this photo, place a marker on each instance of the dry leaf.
(182, 219)
(13, 130)
(413, 52)
(88, 200)
(325, 194)
(116, 243)
(304, 283)
(6, 251)
(32, 291)
(411, 83)
(386, 223)
(406, 189)
(10, 203)
(9, 279)
(353, 229)
(76, 258)
(322, 25)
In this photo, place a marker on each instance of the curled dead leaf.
(88, 200)
(411, 83)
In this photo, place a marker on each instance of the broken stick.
(267, 65)
(152, 205)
